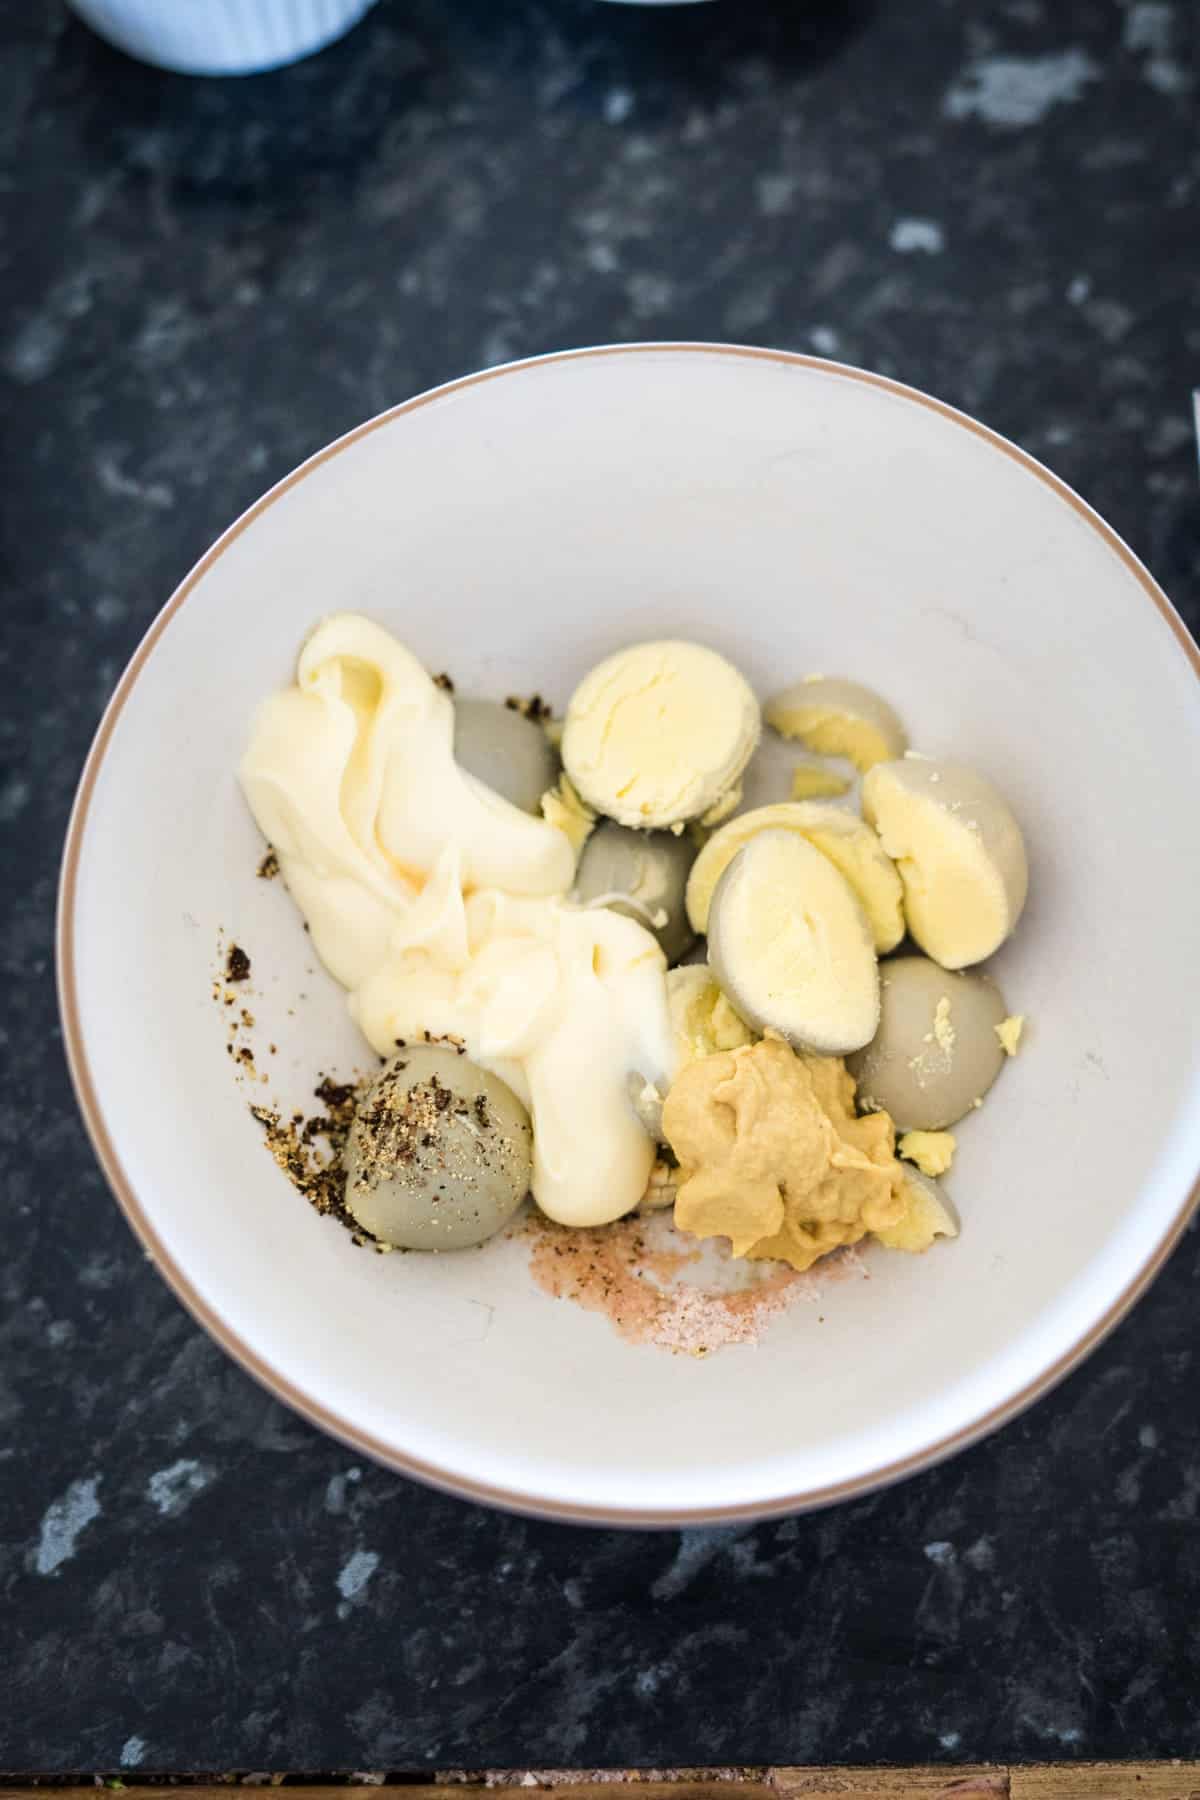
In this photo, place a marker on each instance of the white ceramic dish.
(220, 37)
(514, 527)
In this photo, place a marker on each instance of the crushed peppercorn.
(237, 964)
(534, 708)
(294, 1143)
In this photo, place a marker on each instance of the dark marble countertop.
(200, 283)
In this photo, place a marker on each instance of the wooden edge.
(1173, 1780)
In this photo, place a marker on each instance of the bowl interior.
(513, 529)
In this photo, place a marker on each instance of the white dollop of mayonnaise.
(441, 908)
(561, 1002)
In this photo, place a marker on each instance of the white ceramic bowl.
(514, 527)
(220, 37)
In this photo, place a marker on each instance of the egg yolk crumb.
(932, 1151)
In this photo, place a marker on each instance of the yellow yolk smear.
(562, 808)
(811, 782)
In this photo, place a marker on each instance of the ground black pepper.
(294, 1142)
(335, 1095)
(535, 708)
(237, 964)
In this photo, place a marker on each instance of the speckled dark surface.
(201, 283)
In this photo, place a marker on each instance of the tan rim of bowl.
(271, 1378)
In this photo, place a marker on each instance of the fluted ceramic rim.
(273, 1379)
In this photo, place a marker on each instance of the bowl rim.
(274, 1379)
